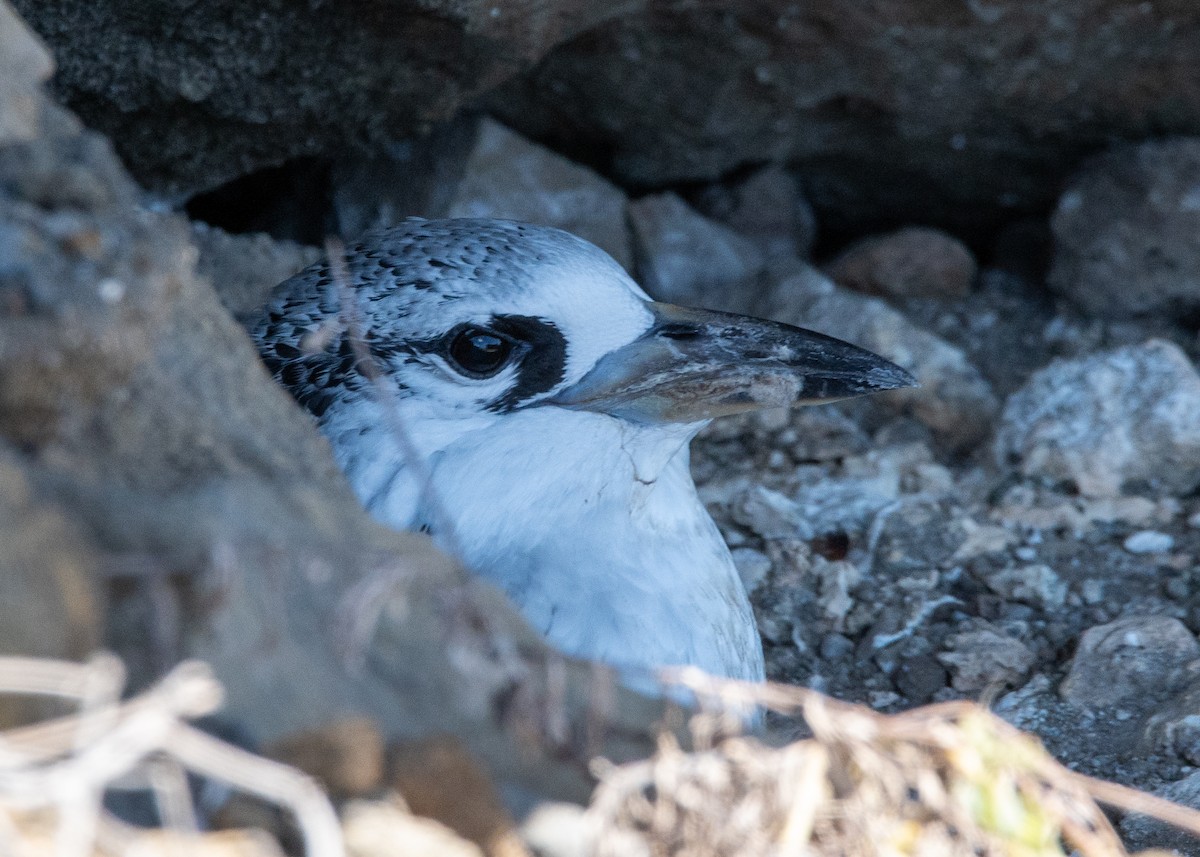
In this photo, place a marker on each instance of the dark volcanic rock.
(927, 112)
(767, 207)
(194, 94)
(1125, 232)
(934, 112)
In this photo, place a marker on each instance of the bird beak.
(695, 364)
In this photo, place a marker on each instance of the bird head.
(473, 320)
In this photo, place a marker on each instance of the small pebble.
(834, 646)
(1149, 541)
(882, 698)
(1026, 553)
(1194, 521)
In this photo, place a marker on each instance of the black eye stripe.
(543, 365)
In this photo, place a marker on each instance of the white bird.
(550, 403)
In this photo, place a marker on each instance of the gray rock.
(194, 96)
(985, 658)
(771, 515)
(912, 112)
(954, 400)
(24, 65)
(685, 258)
(848, 502)
(507, 176)
(1129, 658)
(141, 408)
(1104, 420)
(244, 268)
(1125, 232)
(767, 207)
(1175, 727)
(1036, 584)
(415, 177)
(1149, 541)
(1141, 832)
(752, 566)
(914, 262)
(916, 111)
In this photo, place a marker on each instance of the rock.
(416, 177)
(480, 168)
(346, 755)
(244, 268)
(385, 828)
(140, 407)
(685, 258)
(1102, 421)
(1175, 726)
(954, 400)
(982, 539)
(753, 567)
(49, 589)
(192, 108)
(771, 515)
(24, 65)
(849, 501)
(767, 207)
(509, 177)
(913, 113)
(1125, 232)
(911, 263)
(50, 597)
(985, 658)
(440, 779)
(920, 677)
(1141, 832)
(1132, 657)
(834, 580)
(1149, 541)
(823, 434)
(1035, 508)
(69, 237)
(1035, 584)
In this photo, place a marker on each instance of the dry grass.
(949, 779)
(54, 773)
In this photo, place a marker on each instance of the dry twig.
(67, 764)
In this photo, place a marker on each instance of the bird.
(509, 389)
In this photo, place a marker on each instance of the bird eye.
(478, 352)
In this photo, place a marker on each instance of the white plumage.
(551, 403)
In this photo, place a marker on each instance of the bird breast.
(593, 527)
